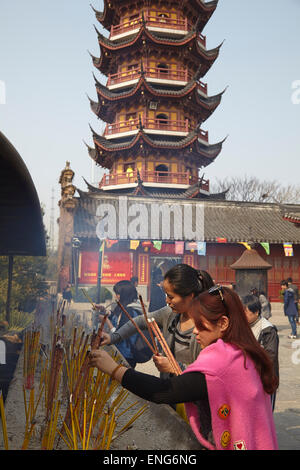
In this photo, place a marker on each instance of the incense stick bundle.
(54, 376)
(60, 312)
(165, 347)
(79, 383)
(97, 340)
(148, 325)
(89, 298)
(3, 421)
(137, 328)
(93, 410)
(31, 352)
(30, 413)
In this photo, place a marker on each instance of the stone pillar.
(251, 270)
(67, 204)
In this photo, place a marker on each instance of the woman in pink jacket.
(227, 389)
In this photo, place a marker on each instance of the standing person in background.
(264, 302)
(127, 295)
(67, 293)
(134, 280)
(226, 390)
(264, 331)
(289, 307)
(296, 295)
(157, 294)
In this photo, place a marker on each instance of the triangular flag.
(134, 244)
(266, 246)
(246, 245)
(288, 249)
(221, 240)
(191, 246)
(179, 248)
(110, 243)
(201, 248)
(157, 244)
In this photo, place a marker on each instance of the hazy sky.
(46, 72)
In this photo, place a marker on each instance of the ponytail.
(187, 280)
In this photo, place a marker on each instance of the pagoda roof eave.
(208, 154)
(105, 17)
(138, 189)
(105, 149)
(91, 188)
(108, 145)
(206, 57)
(105, 111)
(192, 192)
(92, 152)
(189, 89)
(108, 45)
(105, 93)
(125, 43)
(108, 15)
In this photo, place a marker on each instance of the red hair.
(238, 332)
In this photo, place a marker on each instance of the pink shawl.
(241, 411)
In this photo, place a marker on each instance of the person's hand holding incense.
(100, 308)
(105, 339)
(163, 364)
(104, 362)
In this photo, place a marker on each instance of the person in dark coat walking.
(289, 307)
(157, 294)
(296, 295)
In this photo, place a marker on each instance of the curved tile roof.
(235, 221)
(21, 222)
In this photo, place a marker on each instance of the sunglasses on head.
(218, 290)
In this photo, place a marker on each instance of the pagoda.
(154, 101)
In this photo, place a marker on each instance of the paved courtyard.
(287, 409)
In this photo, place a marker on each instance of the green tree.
(28, 282)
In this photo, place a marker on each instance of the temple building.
(153, 205)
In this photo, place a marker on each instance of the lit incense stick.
(148, 326)
(165, 347)
(136, 326)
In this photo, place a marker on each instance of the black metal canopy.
(21, 222)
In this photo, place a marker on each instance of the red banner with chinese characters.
(117, 266)
(143, 269)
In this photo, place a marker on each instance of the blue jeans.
(292, 321)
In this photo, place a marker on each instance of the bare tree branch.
(251, 189)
